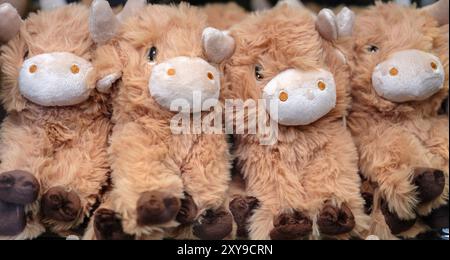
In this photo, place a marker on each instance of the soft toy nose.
(409, 75)
(185, 80)
(55, 79)
(297, 97)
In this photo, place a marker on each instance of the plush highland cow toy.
(307, 183)
(161, 179)
(400, 78)
(53, 143)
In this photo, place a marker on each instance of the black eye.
(372, 49)
(25, 55)
(258, 72)
(152, 54)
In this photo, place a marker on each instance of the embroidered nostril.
(210, 76)
(393, 72)
(74, 69)
(321, 85)
(171, 72)
(33, 68)
(433, 65)
(283, 96)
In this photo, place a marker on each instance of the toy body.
(53, 141)
(402, 142)
(163, 179)
(306, 183)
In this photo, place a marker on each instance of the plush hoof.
(60, 205)
(367, 192)
(188, 210)
(241, 208)
(334, 221)
(290, 226)
(396, 224)
(438, 218)
(12, 219)
(18, 187)
(107, 226)
(430, 184)
(214, 225)
(154, 208)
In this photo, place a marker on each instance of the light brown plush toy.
(400, 78)
(162, 179)
(307, 183)
(53, 158)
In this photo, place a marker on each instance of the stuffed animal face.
(173, 55)
(47, 60)
(282, 58)
(401, 56)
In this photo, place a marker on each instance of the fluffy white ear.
(103, 24)
(218, 45)
(130, 8)
(439, 11)
(51, 4)
(104, 85)
(10, 22)
(326, 24)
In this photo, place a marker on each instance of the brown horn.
(439, 11)
(103, 24)
(131, 8)
(10, 22)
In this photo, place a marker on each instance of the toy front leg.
(147, 185)
(394, 159)
(75, 178)
(332, 184)
(206, 176)
(278, 211)
(22, 154)
(437, 144)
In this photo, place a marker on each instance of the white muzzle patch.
(180, 78)
(55, 79)
(409, 75)
(301, 97)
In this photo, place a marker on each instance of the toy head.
(289, 57)
(167, 53)
(47, 59)
(401, 58)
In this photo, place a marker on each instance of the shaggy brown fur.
(60, 146)
(223, 16)
(144, 154)
(311, 164)
(394, 139)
